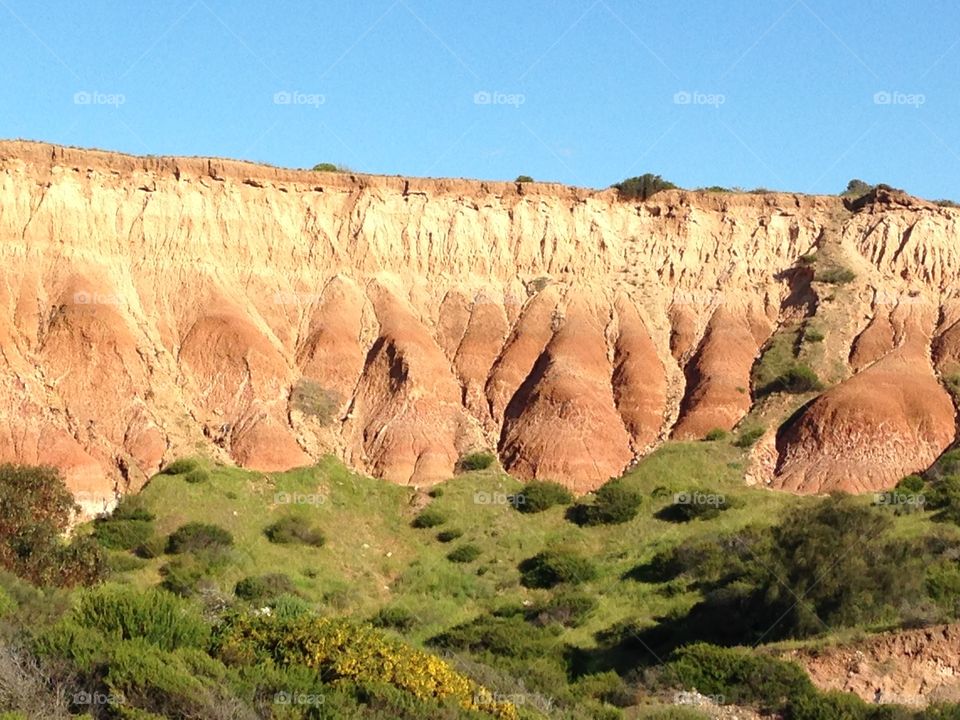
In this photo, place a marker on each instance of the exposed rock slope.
(152, 307)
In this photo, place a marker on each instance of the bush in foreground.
(35, 511)
(642, 187)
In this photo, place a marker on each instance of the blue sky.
(789, 94)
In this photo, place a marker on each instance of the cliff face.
(155, 307)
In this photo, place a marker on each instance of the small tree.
(857, 188)
(642, 187)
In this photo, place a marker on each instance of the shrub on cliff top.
(642, 187)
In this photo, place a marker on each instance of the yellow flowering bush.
(341, 650)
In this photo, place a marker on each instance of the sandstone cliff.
(154, 307)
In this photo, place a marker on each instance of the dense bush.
(181, 466)
(464, 554)
(540, 495)
(476, 461)
(395, 617)
(614, 503)
(123, 613)
(795, 379)
(264, 588)
(567, 607)
(35, 510)
(509, 636)
(524, 179)
(716, 435)
(329, 167)
(122, 534)
(450, 535)
(338, 649)
(428, 518)
(696, 505)
(740, 676)
(295, 529)
(553, 567)
(198, 537)
(642, 187)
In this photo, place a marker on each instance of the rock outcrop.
(156, 307)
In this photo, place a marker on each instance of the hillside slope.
(155, 307)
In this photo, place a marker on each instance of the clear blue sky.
(780, 93)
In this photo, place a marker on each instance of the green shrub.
(552, 567)
(395, 617)
(131, 507)
(155, 616)
(429, 518)
(716, 435)
(330, 167)
(295, 529)
(263, 588)
(198, 475)
(808, 259)
(186, 575)
(345, 651)
(35, 511)
(749, 435)
(741, 677)
(567, 607)
(835, 276)
(796, 379)
(446, 536)
(181, 466)
(198, 537)
(464, 554)
(540, 495)
(524, 179)
(476, 461)
(642, 187)
(121, 562)
(696, 505)
(508, 636)
(122, 534)
(857, 188)
(614, 503)
(813, 335)
(911, 484)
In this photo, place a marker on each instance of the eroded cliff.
(155, 307)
